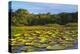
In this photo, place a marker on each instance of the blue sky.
(34, 7)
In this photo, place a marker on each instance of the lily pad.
(56, 47)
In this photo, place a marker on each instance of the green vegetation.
(40, 32)
(23, 17)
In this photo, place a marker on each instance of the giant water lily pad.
(17, 35)
(43, 40)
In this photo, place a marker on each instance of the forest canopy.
(24, 17)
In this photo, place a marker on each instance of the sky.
(36, 7)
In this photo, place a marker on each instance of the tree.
(19, 17)
(23, 17)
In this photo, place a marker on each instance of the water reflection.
(34, 48)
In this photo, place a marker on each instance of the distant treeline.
(23, 17)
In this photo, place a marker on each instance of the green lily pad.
(55, 47)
